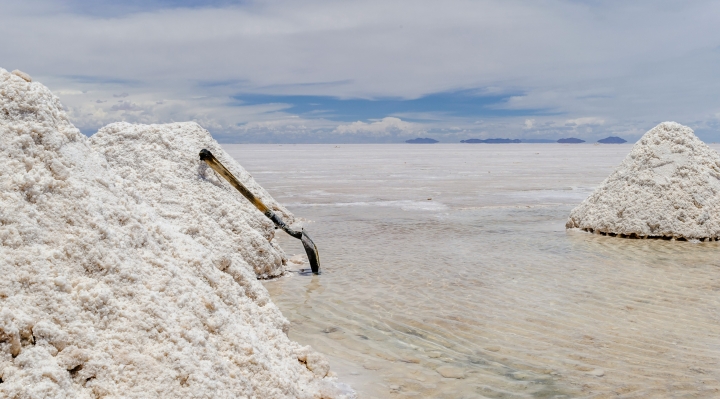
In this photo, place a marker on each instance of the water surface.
(448, 273)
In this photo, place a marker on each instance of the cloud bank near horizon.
(376, 71)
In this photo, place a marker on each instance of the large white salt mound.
(163, 165)
(100, 296)
(668, 186)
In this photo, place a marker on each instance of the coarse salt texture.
(104, 295)
(667, 187)
(163, 166)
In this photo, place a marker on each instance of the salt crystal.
(22, 75)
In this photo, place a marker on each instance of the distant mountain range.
(612, 140)
(570, 140)
(419, 140)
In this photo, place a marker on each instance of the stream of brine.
(447, 272)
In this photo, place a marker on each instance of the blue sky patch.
(464, 103)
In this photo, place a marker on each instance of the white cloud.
(126, 106)
(635, 63)
(585, 121)
(384, 127)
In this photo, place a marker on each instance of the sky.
(375, 71)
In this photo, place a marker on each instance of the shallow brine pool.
(448, 273)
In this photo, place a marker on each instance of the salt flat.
(481, 291)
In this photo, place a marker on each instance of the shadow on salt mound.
(668, 187)
(635, 236)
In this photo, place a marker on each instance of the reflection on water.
(482, 292)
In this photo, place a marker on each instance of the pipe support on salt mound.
(160, 162)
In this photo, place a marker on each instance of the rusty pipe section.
(308, 244)
(212, 162)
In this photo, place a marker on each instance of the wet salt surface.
(482, 292)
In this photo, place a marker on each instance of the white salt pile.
(667, 187)
(107, 292)
(163, 166)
